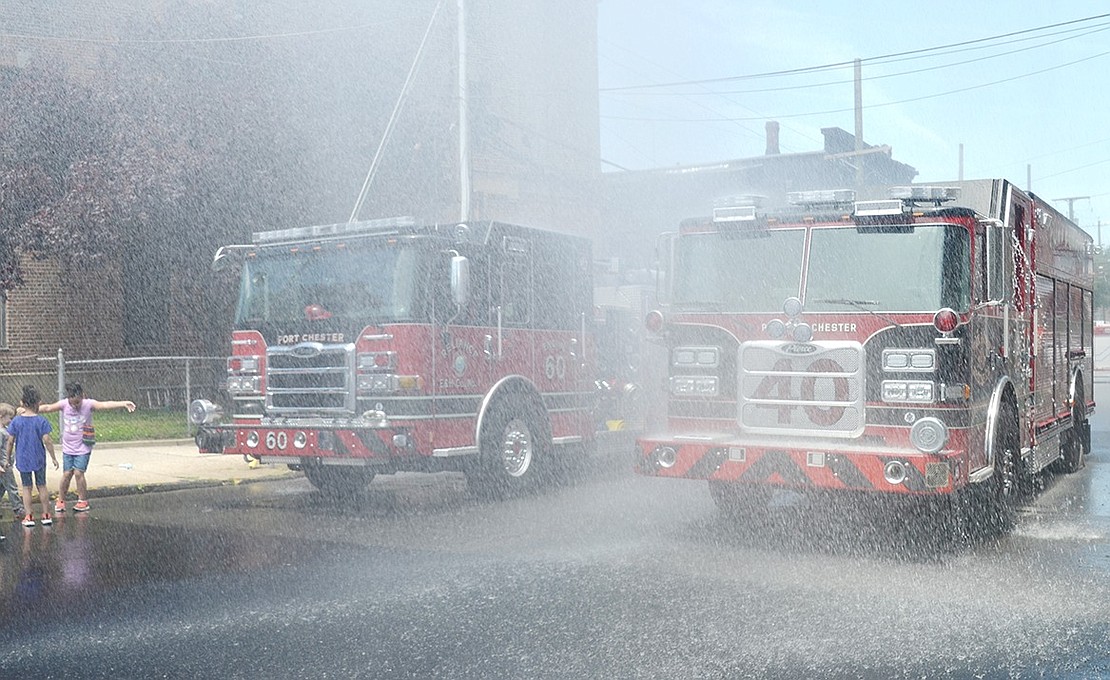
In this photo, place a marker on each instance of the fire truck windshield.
(920, 269)
(753, 272)
(364, 284)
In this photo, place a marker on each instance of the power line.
(870, 106)
(843, 64)
(703, 92)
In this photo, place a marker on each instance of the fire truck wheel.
(1076, 442)
(512, 450)
(995, 508)
(338, 479)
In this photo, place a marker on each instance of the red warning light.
(946, 320)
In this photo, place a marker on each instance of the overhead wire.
(880, 105)
(842, 64)
(704, 92)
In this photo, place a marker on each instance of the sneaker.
(81, 506)
(59, 507)
(28, 521)
(46, 520)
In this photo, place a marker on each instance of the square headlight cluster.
(694, 385)
(919, 360)
(916, 391)
(244, 384)
(701, 357)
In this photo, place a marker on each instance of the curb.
(157, 487)
(137, 443)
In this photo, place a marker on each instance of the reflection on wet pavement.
(51, 571)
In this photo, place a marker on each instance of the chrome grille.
(802, 388)
(310, 378)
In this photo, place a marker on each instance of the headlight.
(245, 364)
(244, 384)
(705, 357)
(909, 360)
(694, 385)
(203, 412)
(379, 361)
(916, 391)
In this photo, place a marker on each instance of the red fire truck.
(380, 346)
(910, 346)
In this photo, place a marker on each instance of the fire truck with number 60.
(380, 346)
(935, 344)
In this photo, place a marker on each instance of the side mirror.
(460, 280)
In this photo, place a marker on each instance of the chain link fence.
(152, 382)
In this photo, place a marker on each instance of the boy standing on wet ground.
(30, 439)
(76, 415)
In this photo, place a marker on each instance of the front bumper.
(725, 458)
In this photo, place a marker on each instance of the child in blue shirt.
(30, 438)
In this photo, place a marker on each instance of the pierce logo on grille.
(307, 350)
(798, 348)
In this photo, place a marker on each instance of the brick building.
(533, 137)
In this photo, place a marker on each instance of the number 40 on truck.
(935, 345)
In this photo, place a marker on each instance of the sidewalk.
(121, 468)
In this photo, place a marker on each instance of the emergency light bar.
(890, 216)
(878, 208)
(925, 193)
(331, 230)
(828, 197)
(741, 199)
(740, 213)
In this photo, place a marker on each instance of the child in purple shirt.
(75, 415)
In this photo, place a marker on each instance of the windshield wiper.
(861, 305)
(702, 306)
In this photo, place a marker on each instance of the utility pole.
(859, 121)
(1071, 204)
(464, 119)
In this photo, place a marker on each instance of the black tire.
(1076, 442)
(513, 449)
(341, 480)
(992, 507)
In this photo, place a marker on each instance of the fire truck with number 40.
(936, 344)
(380, 346)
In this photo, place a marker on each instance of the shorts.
(39, 478)
(80, 462)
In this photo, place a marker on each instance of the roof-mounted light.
(740, 199)
(925, 194)
(737, 213)
(882, 208)
(821, 197)
(885, 216)
(323, 231)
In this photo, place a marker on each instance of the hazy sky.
(1037, 98)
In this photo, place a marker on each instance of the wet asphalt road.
(612, 576)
